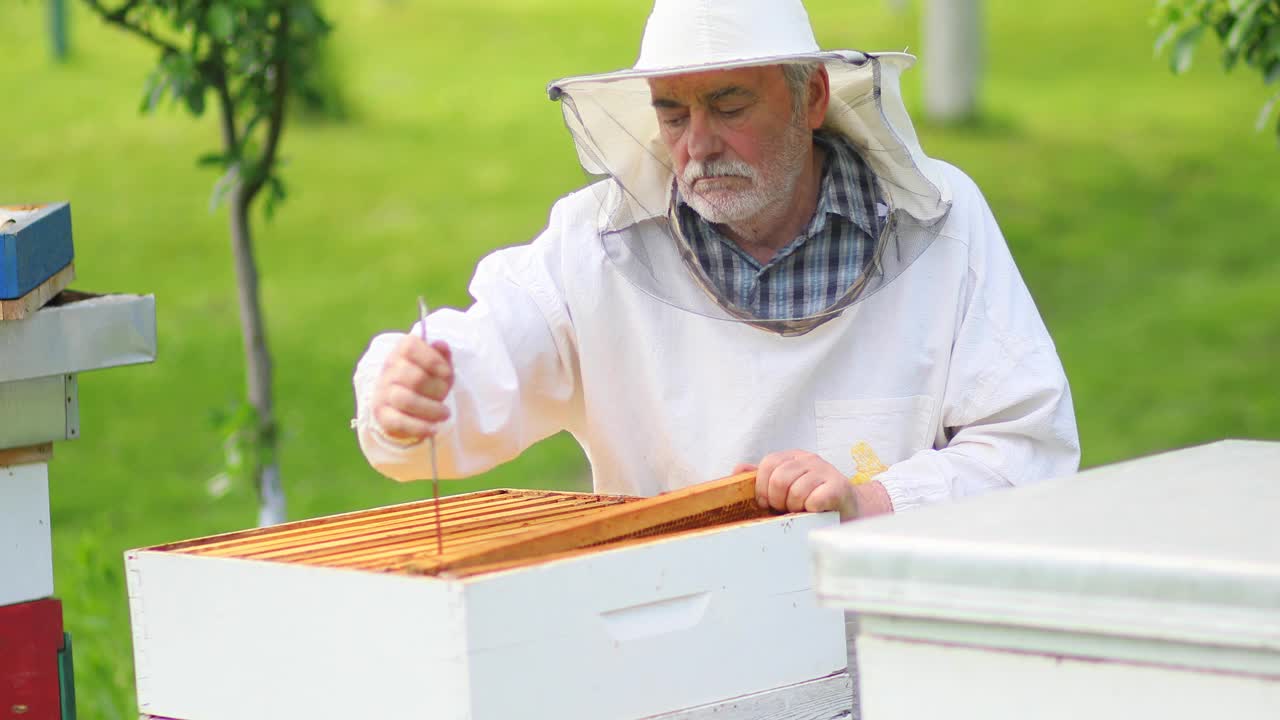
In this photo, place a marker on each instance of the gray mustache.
(696, 170)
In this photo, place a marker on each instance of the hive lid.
(1182, 547)
(35, 243)
(77, 332)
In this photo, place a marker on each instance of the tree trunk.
(257, 365)
(952, 58)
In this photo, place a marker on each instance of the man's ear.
(819, 97)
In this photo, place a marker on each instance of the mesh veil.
(616, 134)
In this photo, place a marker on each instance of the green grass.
(1141, 208)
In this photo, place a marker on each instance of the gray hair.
(797, 76)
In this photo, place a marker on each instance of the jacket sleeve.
(514, 368)
(1007, 417)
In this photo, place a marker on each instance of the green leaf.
(1180, 60)
(1273, 72)
(1266, 113)
(153, 90)
(1229, 58)
(194, 97)
(1164, 38)
(1173, 12)
(208, 159)
(222, 23)
(275, 195)
(1244, 24)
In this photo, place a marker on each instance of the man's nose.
(703, 137)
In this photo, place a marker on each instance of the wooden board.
(699, 506)
(26, 546)
(30, 638)
(39, 296)
(974, 683)
(26, 455)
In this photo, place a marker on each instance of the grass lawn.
(1141, 208)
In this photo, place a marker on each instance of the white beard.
(770, 185)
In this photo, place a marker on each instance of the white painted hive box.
(1147, 589)
(647, 628)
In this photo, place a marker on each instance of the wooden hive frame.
(486, 531)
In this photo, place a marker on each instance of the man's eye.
(675, 121)
(730, 112)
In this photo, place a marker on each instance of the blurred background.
(1142, 208)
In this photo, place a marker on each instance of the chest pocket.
(895, 428)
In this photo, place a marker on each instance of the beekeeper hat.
(616, 132)
(691, 35)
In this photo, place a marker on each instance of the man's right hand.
(408, 399)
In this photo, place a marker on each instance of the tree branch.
(217, 69)
(117, 17)
(275, 123)
(226, 115)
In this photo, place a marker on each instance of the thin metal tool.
(435, 474)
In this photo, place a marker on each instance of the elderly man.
(770, 274)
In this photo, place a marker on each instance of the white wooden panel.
(38, 411)
(965, 682)
(26, 547)
(218, 639)
(653, 628)
(826, 698)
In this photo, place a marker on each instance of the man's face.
(737, 145)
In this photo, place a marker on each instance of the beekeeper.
(768, 271)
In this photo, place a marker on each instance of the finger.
(445, 351)
(427, 357)
(399, 426)
(416, 379)
(764, 473)
(432, 387)
(415, 405)
(401, 371)
(742, 468)
(832, 496)
(802, 489)
(765, 469)
(781, 480)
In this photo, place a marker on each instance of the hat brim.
(851, 57)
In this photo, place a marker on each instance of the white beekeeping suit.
(603, 326)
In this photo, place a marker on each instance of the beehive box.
(1146, 589)
(327, 619)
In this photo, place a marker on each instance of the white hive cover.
(1181, 547)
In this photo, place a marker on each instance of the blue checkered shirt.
(814, 271)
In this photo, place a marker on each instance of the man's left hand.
(796, 481)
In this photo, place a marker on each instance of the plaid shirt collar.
(848, 190)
